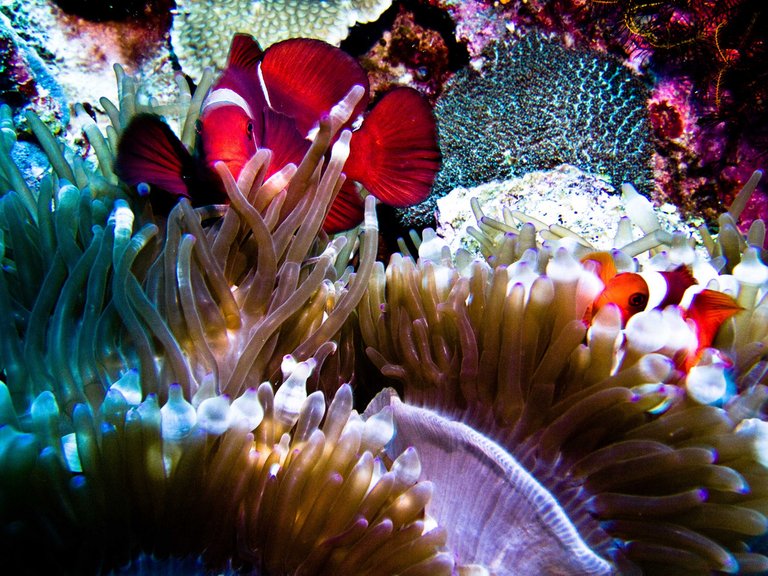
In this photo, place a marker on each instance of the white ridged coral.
(203, 29)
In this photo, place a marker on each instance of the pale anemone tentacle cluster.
(150, 405)
(259, 483)
(194, 296)
(658, 470)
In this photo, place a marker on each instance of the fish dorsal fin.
(305, 78)
(678, 281)
(606, 267)
(244, 53)
(708, 310)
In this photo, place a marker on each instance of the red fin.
(287, 146)
(150, 152)
(282, 138)
(244, 53)
(709, 309)
(305, 78)
(346, 211)
(678, 281)
(395, 154)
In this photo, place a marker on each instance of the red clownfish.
(632, 293)
(274, 99)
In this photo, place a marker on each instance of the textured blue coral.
(533, 105)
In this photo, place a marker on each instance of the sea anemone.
(258, 484)
(657, 469)
(139, 416)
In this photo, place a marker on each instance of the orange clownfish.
(632, 293)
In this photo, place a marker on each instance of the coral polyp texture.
(711, 55)
(534, 105)
(202, 29)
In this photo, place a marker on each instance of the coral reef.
(71, 59)
(202, 30)
(714, 52)
(410, 54)
(25, 81)
(477, 22)
(534, 105)
(711, 53)
(101, 11)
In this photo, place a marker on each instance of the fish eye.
(249, 129)
(198, 126)
(638, 300)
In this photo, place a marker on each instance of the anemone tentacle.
(152, 406)
(600, 415)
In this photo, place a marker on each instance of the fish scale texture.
(202, 29)
(535, 105)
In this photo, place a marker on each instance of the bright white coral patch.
(583, 203)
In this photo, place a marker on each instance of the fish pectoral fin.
(149, 152)
(346, 210)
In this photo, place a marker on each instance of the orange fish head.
(227, 135)
(628, 291)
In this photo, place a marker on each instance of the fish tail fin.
(149, 152)
(395, 153)
(708, 310)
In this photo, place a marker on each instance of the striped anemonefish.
(274, 99)
(631, 291)
(637, 292)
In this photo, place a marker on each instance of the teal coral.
(202, 29)
(534, 105)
